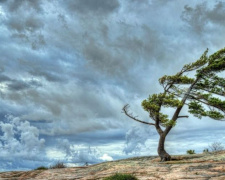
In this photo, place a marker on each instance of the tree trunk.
(161, 151)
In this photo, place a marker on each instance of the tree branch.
(206, 103)
(125, 110)
(182, 116)
(213, 92)
(177, 112)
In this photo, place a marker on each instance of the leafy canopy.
(203, 93)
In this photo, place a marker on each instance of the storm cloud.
(68, 67)
(99, 7)
(201, 17)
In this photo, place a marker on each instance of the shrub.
(216, 146)
(41, 168)
(121, 177)
(58, 165)
(190, 151)
(206, 150)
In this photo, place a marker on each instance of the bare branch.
(126, 111)
(182, 116)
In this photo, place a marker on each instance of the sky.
(67, 68)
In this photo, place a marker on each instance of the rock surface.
(210, 166)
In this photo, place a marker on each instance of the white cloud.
(1, 11)
(77, 154)
(136, 138)
(19, 141)
(106, 157)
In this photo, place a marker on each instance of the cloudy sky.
(68, 67)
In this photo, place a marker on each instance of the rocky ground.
(210, 166)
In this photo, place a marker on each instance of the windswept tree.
(203, 94)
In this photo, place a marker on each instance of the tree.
(216, 146)
(201, 92)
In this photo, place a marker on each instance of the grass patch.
(121, 177)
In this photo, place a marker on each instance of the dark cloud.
(24, 20)
(4, 78)
(14, 5)
(68, 67)
(100, 137)
(216, 15)
(135, 46)
(78, 105)
(27, 29)
(17, 85)
(201, 17)
(138, 6)
(97, 7)
(62, 19)
(28, 23)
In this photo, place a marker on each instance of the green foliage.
(170, 123)
(216, 63)
(190, 151)
(121, 177)
(200, 94)
(197, 64)
(196, 109)
(155, 101)
(153, 105)
(216, 102)
(206, 150)
(171, 101)
(216, 66)
(212, 84)
(215, 115)
(203, 92)
(217, 55)
(175, 80)
(42, 168)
